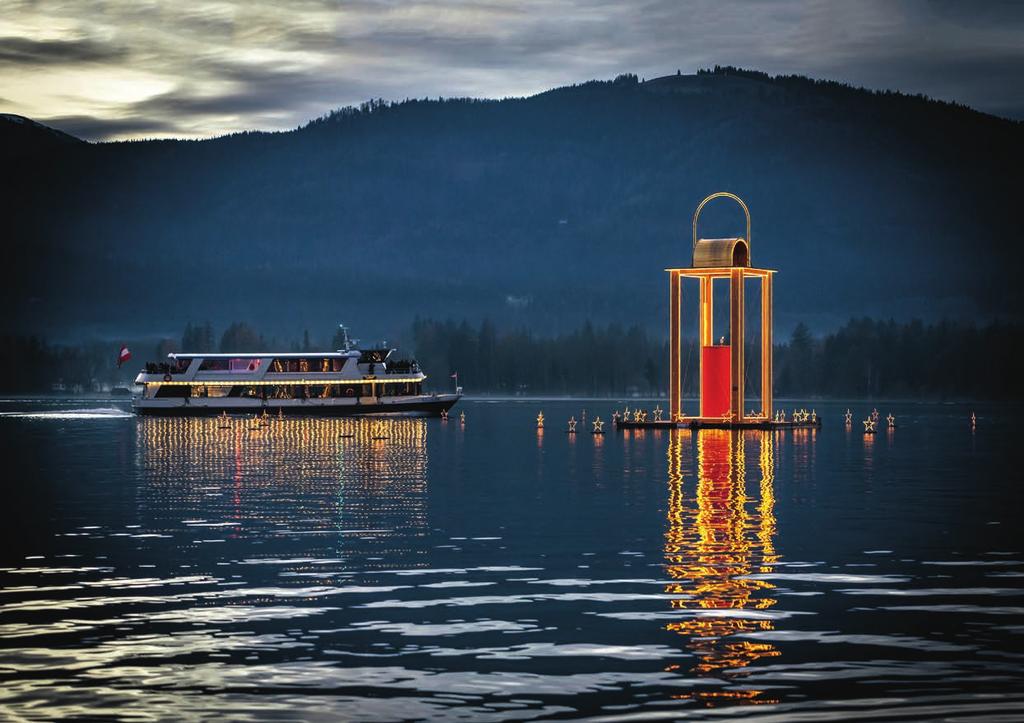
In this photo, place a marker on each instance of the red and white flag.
(123, 356)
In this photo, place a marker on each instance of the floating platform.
(719, 424)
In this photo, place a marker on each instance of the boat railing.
(403, 366)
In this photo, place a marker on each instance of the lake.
(326, 569)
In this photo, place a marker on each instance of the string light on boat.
(285, 382)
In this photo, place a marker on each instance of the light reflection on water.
(414, 568)
(332, 478)
(715, 541)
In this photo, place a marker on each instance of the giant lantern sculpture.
(722, 362)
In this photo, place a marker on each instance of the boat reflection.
(358, 485)
(717, 537)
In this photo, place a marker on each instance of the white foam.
(96, 413)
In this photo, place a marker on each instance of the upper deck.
(281, 368)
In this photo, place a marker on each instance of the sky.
(108, 70)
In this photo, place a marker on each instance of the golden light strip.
(722, 272)
(289, 382)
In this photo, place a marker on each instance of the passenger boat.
(348, 381)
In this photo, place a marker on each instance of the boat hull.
(427, 405)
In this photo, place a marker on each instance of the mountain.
(21, 136)
(543, 211)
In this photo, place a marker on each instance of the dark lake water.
(165, 569)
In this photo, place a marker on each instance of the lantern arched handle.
(712, 197)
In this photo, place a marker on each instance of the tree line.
(864, 358)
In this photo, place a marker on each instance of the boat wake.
(95, 413)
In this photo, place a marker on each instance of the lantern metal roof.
(720, 252)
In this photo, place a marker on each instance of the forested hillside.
(542, 212)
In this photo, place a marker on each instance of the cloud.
(103, 129)
(26, 51)
(205, 68)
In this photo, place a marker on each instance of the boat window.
(240, 364)
(172, 390)
(210, 390)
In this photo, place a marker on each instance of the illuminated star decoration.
(874, 414)
(540, 420)
(598, 426)
(462, 418)
(572, 425)
(891, 420)
(625, 414)
(814, 417)
(657, 413)
(444, 415)
(974, 419)
(849, 417)
(638, 416)
(869, 426)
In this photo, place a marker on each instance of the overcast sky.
(104, 69)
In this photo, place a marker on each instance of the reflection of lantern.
(722, 364)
